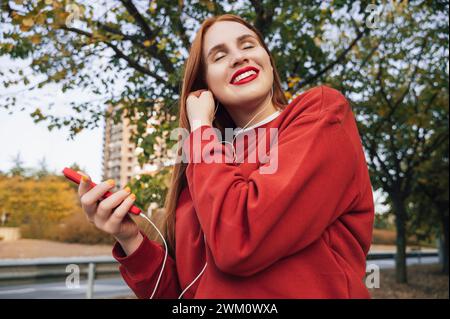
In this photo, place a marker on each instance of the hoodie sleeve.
(141, 270)
(252, 222)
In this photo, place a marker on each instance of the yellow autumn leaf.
(288, 95)
(28, 22)
(40, 19)
(152, 8)
(317, 41)
(56, 4)
(62, 16)
(36, 39)
(9, 47)
(48, 1)
(210, 5)
(292, 81)
(162, 44)
(382, 112)
(147, 43)
(15, 16)
(24, 28)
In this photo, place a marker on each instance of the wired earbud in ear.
(215, 110)
(242, 129)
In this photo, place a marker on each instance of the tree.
(18, 169)
(431, 200)
(42, 169)
(145, 45)
(37, 204)
(401, 98)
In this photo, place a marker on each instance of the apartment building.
(119, 154)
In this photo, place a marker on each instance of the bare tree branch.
(132, 63)
(374, 155)
(341, 56)
(131, 8)
(150, 35)
(264, 15)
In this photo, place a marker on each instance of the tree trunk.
(445, 227)
(400, 257)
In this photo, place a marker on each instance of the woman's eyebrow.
(222, 45)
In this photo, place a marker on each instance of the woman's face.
(229, 47)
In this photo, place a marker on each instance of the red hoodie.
(301, 232)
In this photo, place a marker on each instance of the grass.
(424, 282)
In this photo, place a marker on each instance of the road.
(103, 288)
(115, 287)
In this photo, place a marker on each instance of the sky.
(18, 132)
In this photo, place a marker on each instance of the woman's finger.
(89, 201)
(121, 211)
(108, 204)
(97, 192)
(83, 188)
(84, 185)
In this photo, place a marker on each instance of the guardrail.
(15, 271)
(418, 254)
(22, 271)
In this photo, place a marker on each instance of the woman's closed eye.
(247, 47)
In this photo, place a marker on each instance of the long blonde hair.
(194, 79)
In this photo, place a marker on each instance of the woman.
(302, 229)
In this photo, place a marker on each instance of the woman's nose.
(238, 58)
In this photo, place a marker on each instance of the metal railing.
(36, 270)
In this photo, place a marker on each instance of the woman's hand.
(200, 108)
(110, 215)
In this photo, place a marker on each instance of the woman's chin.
(251, 93)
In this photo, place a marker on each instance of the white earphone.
(231, 143)
(165, 259)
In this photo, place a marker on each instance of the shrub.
(77, 229)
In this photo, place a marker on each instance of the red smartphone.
(75, 177)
